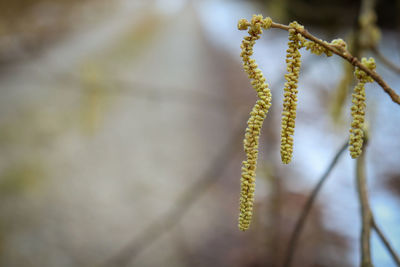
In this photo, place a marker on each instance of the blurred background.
(122, 123)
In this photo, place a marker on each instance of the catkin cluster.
(257, 116)
(290, 92)
(358, 108)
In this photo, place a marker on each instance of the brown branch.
(385, 60)
(307, 207)
(345, 54)
(368, 220)
(366, 214)
(367, 8)
(386, 242)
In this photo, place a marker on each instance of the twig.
(385, 60)
(368, 220)
(162, 225)
(344, 53)
(386, 242)
(366, 214)
(307, 208)
(367, 8)
(155, 230)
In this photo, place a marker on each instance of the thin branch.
(368, 220)
(367, 9)
(385, 60)
(307, 208)
(366, 214)
(345, 54)
(156, 229)
(386, 242)
(162, 225)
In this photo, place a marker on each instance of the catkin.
(290, 93)
(358, 108)
(316, 48)
(257, 116)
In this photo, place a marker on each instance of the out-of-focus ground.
(110, 111)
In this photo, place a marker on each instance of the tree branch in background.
(366, 214)
(162, 225)
(385, 60)
(367, 21)
(307, 208)
(368, 220)
(386, 242)
(156, 229)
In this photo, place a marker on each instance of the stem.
(386, 243)
(385, 60)
(366, 214)
(307, 208)
(345, 54)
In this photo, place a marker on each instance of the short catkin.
(257, 116)
(358, 108)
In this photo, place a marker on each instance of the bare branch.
(385, 60)
(368, 220)
(307, 207)
(386, 242)
(345, 54)
(366, 214)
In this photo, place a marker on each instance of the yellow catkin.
(341, 91)
(339, 43)
(290, 93)
(257, 116)
(316, 48)
(358, 108)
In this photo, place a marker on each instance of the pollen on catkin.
(339, 43)
(316, 48)
(257, 116)
(290, 92)
(358, 108)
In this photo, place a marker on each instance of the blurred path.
(116, 120)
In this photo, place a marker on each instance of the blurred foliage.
(344, 87)
(26, 25)
(393, 183)
(93, 98)
(15, 14)
(20, 177)
(136, 40)
(332, 14)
